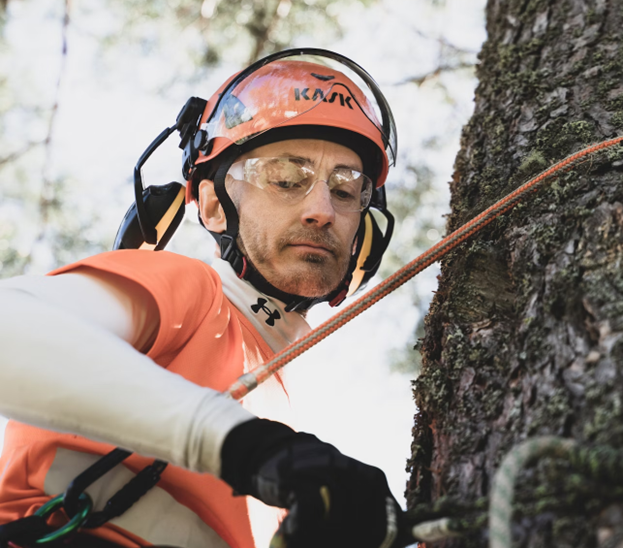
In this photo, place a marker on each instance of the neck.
(277, 326)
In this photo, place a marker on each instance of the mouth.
(312, 247)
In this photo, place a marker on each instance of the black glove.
(334, 501)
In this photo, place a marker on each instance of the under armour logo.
(272, 315)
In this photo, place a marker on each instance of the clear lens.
(291, 179)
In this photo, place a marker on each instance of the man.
(284, 162)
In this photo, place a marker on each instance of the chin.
(309, 280)
(310, 291)
(296, 287)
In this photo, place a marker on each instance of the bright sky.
(342, 390)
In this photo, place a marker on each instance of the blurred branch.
(262, 32)
(443, 42)
(419, 80)
(449, 57)
(47, 187)
(19, 153)
(47, 197)
(3, 14)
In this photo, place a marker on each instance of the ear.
(210, 208)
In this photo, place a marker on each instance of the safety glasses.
(291, 179)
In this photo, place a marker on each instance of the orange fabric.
(203, 338)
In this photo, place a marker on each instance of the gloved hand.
(334, 501)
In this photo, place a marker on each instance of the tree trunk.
(525, 334)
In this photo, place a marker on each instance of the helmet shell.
(287, 93)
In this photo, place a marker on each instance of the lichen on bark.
(525, 334)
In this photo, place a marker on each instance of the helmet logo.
(319, 94)
(272, 314)
(323, 77)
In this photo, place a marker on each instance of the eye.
(282, 175)
(285, 185)
(344, 194)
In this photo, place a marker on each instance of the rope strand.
(503, 490)
(251, 380)
(598, 474)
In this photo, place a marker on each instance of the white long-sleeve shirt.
(69, 341)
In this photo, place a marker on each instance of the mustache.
(323, 239)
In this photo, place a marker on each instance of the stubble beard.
(313, 275)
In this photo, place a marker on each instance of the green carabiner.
(72, 525)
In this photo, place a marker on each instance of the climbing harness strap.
(249, 381)
(123, 499)
(78, 505)
(89, 476)
(24, 530)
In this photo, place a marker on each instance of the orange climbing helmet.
(294, 88)
(304, 93)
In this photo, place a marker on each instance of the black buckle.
(231, 253)
(26, 529)
(188, 118)
(227, 246)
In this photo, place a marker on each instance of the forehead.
(315, 150)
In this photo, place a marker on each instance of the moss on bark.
(525, 334)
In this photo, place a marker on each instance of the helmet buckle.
(227, 246)
(339, 298)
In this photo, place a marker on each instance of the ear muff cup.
(165, 206)
(364, 252)
(370, 252)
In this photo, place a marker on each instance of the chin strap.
(244, 268)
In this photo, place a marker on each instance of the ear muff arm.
(148, 228)
(186, 123)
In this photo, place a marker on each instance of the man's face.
(301, 248)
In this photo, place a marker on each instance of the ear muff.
(370, 252)
(164, 206)
(364, 253)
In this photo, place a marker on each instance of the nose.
(317, 207)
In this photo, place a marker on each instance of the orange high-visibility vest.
(203, 338)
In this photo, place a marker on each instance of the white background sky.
(342, 390)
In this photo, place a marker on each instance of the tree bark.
(525, 334)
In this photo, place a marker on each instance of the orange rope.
(251, 380)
